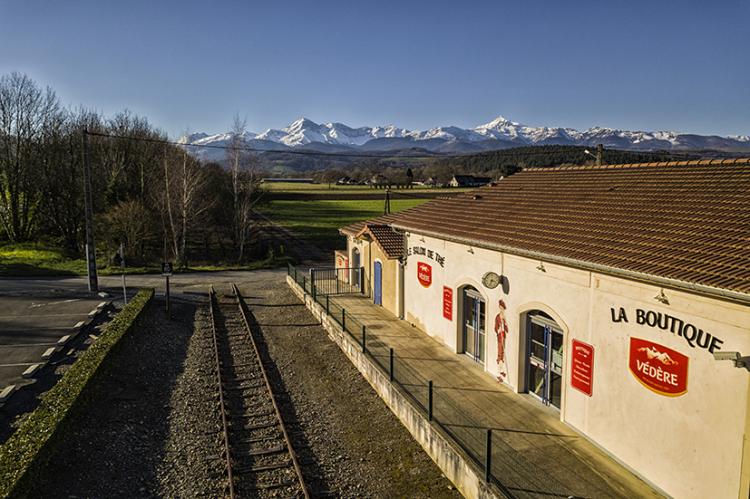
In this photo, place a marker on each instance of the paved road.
(32, 325)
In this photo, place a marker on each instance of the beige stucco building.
(609, 295)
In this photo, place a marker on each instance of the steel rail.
(224, 424)
(297, 468)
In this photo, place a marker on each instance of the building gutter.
(707, 291)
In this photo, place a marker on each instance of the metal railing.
(492, 454)
(332, 281)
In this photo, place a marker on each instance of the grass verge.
(39, 260)
(26, 451)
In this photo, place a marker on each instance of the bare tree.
(183, 200)
(26, 111)
(245, 185)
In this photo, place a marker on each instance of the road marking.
(37, 305)
(41, 315)
(31, 371)
(6, 393)
(50, 352)
(20, 364)
(27, 345)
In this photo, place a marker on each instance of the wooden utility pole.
(89, 216)
(599, 154)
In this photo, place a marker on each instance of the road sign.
(166, 268)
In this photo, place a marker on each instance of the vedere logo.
(658, 368)
(424, 274)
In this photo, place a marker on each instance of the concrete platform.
(534, 453)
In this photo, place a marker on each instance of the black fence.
(332, 281)
(520, 476)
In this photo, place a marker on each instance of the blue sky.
(679, 65)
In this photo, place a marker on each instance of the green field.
(318, 221)
(341, 189)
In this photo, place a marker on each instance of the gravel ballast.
(151, 425)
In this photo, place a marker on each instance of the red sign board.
(658, 368)
(582, 367)
(424, 274)
(448, 303)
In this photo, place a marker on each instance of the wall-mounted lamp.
(735, 357)
(661, 297)
(421, 239)
(541, 267)
(471, 250)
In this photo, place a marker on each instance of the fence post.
(488, 457)
(312, 282)
(336, 274)
(364, 338)
(314, 290)
(295, 275)
(328, 305)
(343, 319)
(362, 280)
(390, 364)
(429, 400)
(304, 284)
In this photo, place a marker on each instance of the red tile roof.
(390, 240)
(687, 221)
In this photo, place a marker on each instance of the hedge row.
(26, 451)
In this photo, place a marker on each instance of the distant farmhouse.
(468, 181)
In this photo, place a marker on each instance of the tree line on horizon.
(149, 195)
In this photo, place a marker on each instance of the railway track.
(260, 458)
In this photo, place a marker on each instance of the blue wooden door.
(378, 298)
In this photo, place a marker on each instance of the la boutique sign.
(694, 336)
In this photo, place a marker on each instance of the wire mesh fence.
(491, 452)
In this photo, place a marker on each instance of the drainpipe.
(369, 257)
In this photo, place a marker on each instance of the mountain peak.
(500, 121)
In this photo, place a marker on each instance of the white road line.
(20, 364)
(42, 315)
(27, 345)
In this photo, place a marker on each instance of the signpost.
(122, 265)
(166, 271)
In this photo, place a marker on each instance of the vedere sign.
(424, 274)
(582, 367)
(658, 368)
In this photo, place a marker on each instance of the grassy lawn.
(319, 220)
(32, 259)
(36, 259)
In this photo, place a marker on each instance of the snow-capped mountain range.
(499, 133)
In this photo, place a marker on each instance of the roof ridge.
(693, 162)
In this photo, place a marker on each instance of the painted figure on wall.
(501, 330)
